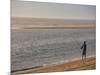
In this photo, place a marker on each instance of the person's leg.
(83, 58)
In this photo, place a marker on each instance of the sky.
(52, 10)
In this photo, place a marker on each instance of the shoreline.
(73, 65)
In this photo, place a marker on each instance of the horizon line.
(51, 18)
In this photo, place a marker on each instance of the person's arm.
(81, 47)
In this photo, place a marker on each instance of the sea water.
(36, 47)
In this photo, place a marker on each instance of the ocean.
(36, 47)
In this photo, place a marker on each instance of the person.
(84, 47)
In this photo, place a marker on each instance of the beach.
(42, 42)
(44, 45)
(76, 65)
(51, 37)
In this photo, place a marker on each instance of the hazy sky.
(52, 10)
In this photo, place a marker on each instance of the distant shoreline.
(78, 27)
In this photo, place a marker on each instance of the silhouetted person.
(84, 47)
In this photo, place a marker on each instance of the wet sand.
(75, 65)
